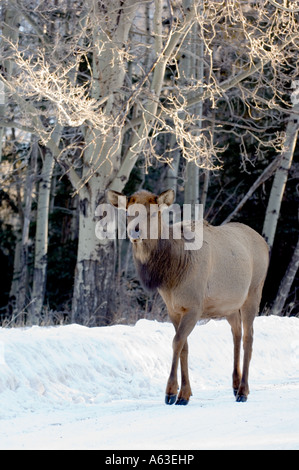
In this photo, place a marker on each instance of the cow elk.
(222, 279)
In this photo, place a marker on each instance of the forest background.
(198, 96)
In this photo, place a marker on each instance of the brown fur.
(165, 267)
(224, 278)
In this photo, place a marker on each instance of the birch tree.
(281, 174)
(10, 31)
(20, 185)
(286, 283)
(41, 236)
(194, 70)
(21, 288)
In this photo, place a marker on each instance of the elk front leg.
(185, 392)
(172, 384)
(180, 350)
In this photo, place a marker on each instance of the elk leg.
(248, 313)
(180, 350)
(243, 390)
(172, 384)
(235, 322)
(185, 390)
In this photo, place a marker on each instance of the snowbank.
(76, 387)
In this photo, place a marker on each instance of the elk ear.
(167, 197)
(113, 198)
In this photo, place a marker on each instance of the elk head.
(148, 207)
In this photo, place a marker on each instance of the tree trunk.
(191, 184)
(93, 300)
(280, 178)
(205, 188)
(194, 68)
(41, 240)
(171, 179)
(18, 297)
(22, 295)
(286, 283)
(163, 55)
(14, 288)
(94, 291)
(94, 275)
(10, 32)
(267, 173)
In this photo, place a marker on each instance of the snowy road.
(72, 387)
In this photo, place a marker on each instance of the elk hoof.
(236, 391)
(182, 401)
(170, 399)
(241, 398)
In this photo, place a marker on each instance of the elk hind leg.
(248, 313)
(234, 320)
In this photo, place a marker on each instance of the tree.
(41, 235)
(281, 174)
(286, 283)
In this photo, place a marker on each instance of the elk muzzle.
(135, 234)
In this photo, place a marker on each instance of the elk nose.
(135, 234)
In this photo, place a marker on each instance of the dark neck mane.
(164, 264)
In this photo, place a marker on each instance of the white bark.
(280, 178)
(286, 283)
(18, 296)
(41, 234)
(41, 239)
(10, 33)
(195, 70)
(171, 179)
(267, 173)
(205, 188)
(92, 296)
(92, 299)
(22, 294)
(14, 288)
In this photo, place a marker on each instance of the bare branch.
(16, 125)
(267, 173)
(284, 8)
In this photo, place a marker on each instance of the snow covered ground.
(72, 387)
